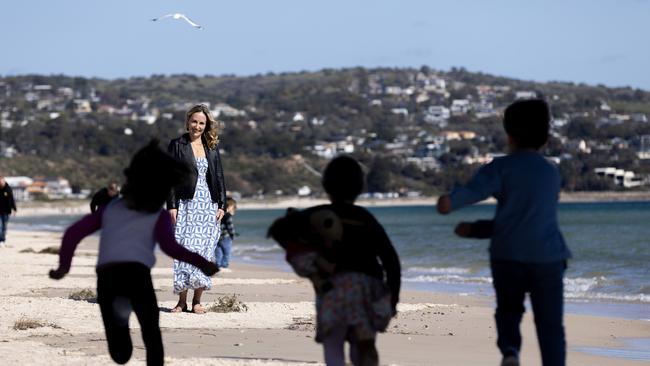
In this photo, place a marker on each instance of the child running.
(360, 296)
(527, 251)
(130, 227)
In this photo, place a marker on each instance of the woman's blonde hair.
(210, 134)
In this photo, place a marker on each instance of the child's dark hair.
(150, 178)
(343, 178)
(527, 123)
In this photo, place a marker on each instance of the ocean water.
(610, 269)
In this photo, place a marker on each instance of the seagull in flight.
(179, 16)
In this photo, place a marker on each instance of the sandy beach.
(277, 328)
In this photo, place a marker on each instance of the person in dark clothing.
(528, 253)
(364, 270)
(228, 233)
(7, 205)
(104, 196)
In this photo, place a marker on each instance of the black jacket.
(7, 202)
(100, 198)
(181, 149)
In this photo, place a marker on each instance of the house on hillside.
(525, 94)
(460, 107)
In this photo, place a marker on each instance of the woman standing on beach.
(197, 204)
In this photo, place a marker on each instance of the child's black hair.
(343, 178)
(527, 123)
(150, 178)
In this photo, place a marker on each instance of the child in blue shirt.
(527, 251)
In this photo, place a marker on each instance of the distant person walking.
(130, 228)
(527, 251)
(7, 205)
(197, 203)
(104, 196)
(228, 233)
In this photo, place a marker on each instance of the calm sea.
(610, 269)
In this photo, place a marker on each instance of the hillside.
(416, 130)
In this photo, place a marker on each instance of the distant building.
(19, 187)
(525, 94)
(622, 178)
(304, 191)
(437, 113)
(394, 90)
(329, 150)
(52, 188)
(403, 111)
(298, 117)
(460, 107)
(226, 110)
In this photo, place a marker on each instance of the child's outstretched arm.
(485, 183)
(480, 229)
(71, 238)
(164, 235)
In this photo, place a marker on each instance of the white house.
(226, 110)
(19, 186)
(298, 117)
(437, 113)
(622, 178)
(525, 94)
(304, 191)
(403, 111)
(460, 107)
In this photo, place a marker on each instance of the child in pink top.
(131, 226)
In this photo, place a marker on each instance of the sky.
(582, 41)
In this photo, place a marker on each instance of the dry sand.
(277, 329)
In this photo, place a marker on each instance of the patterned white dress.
(198, 231)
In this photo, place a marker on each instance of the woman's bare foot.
(198, 309)
(179, 308)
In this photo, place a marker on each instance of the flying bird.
(179, 16)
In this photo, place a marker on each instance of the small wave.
(240, 249)
(40, 227)
(451, 279)
(439, 270)
(583, 284)
(608, 297)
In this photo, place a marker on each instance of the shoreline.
(74, 207)
(278, 327)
